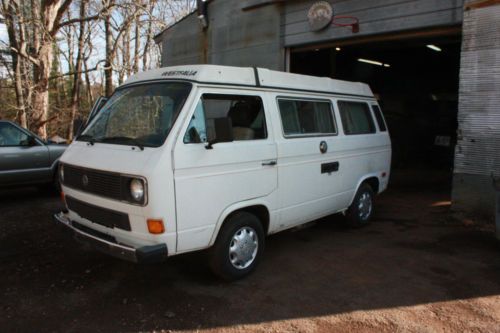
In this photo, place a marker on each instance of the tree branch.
(96, 67)
(60, 12)
(25, 55)
(78, 20)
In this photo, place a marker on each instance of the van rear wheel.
(361, 210)
(238, 248)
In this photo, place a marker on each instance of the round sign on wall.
(320, 15)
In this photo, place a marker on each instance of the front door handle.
(269, 163)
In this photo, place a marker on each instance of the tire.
(230, 261)
(361, 210)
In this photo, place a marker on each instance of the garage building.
(433, 64)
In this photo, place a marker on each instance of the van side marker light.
(155, 226)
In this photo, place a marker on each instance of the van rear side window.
(303, 117)
(380, 118)
(356, 118)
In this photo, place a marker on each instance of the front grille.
(102, 183)
(103, 216)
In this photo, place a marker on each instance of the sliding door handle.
(269, 163)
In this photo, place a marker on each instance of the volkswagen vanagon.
(187, 158)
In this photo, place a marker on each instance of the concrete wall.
(375, 17)
(234, 37)
(478, 148)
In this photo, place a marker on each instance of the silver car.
(25, 159)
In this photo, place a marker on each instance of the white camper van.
(186, 158)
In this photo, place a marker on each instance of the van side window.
(356, 118)
(302, 117)
(246, 113)
(380, 118)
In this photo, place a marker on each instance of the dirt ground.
(414, 269)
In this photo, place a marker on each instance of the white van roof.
(254, 77)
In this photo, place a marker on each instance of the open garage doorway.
(416, 82)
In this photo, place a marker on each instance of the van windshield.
(139, 115)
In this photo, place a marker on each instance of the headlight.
(61, 173)
(137, 189)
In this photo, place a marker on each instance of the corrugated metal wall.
(375, 17)
(478, 148)
(234, 37)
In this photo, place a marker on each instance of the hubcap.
(365, 206)
(243, 248)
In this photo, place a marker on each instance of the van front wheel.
(238, 247)
(361, 210)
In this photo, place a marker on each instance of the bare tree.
(49, 37)
(12, 17)
(45, 21)
(75, 95)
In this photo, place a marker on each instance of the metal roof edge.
(158, 35)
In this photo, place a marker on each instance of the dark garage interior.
(416, 82)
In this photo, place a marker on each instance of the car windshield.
(140, 115)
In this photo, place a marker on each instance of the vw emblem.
(323, 147)
(85, 180)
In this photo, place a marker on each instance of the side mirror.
(28, 142)
(223, 131)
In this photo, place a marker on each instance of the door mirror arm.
(210, 144)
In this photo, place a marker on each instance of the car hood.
(109, 157)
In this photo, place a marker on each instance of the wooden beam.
(427, 33)
(481, 4)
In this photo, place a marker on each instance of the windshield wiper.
(123, 139)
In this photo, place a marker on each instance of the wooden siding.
(375, 17)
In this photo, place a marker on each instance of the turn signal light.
(63, 199)
(155, 226)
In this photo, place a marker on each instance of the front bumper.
(152, 253)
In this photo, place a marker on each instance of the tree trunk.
(108, 70)
(41, 90)
(8, 11)
(90, 95)
(21, 113)
(149, 36)
(75, 94)
(137, 45)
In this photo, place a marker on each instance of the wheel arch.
(372, 179)
(257, 208)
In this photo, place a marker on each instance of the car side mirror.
(28, 142)
(223, 132)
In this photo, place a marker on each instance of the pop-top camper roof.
(254, 77)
